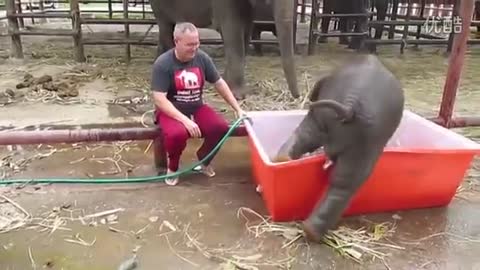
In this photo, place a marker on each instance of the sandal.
(171, 181)
(206, 170)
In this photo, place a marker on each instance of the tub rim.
(469, 146)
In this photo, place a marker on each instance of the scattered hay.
(16, 161)
(271, 94)
(471, 181)
(353, 244)
(12, 215)
(230, 260)
(116, 158)
(78, 240)
(454, 238)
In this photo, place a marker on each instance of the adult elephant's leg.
(232, 24)
(165, 27)
(381, 7)
(284, 17)
(249, 32)
(361, 24)
(165, 36)
(327, 8)
(256, 36)
(344, 28)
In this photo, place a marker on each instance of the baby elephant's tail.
(345, 113)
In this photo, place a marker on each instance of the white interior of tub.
(271, 128)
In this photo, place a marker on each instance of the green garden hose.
(189, 169)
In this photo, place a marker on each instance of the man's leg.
(213, 127)
(175, 137)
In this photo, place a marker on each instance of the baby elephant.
(354, 112)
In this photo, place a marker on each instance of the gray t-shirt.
(183, 82)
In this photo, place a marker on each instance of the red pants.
(212, 126)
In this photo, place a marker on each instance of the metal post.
(456, 61)
(455, 11)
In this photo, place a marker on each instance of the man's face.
(187, 44)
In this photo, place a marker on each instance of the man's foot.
(171, 181)
(207, 170)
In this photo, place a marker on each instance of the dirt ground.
(199, 223)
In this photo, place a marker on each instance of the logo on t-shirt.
(188, 84)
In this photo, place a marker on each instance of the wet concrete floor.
(206, 210)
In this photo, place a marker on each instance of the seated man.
(178, 79)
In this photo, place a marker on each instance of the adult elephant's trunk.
(283, 11)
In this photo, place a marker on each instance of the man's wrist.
(238, 109)
(184, 118)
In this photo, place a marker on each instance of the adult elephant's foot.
(239, 93)
(355, 44)
(343, 41)
(236, 85)
(322, 39)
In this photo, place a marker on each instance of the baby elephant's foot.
(311, 234)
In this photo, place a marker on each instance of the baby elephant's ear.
(317, 87)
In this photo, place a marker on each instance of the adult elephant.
(348, 24)
(233, 19)
(263, 12)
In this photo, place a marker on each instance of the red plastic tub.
(422, 166)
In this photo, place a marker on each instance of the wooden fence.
(400, 13)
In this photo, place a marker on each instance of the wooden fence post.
(17, 50)
(127, 31)
(77, 29)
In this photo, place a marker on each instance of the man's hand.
(240, 113)
(192, 128)
(164, 104)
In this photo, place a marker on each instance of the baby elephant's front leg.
(347, 178)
